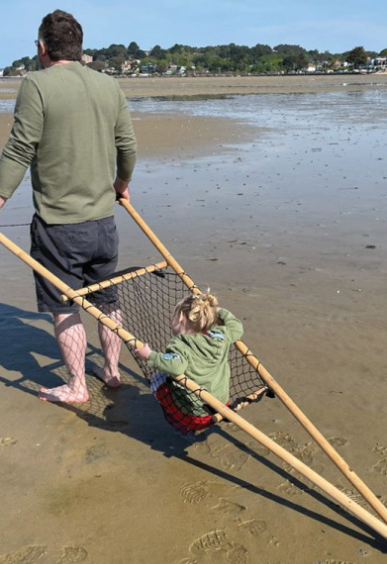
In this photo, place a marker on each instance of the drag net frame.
(147, 297)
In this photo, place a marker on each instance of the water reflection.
(267, 110)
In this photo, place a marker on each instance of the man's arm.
(24, 138)
(126, 146)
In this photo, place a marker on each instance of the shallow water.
(313, 182)
(267, 109)
(312, 186)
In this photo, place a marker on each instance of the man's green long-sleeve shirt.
(73, 127)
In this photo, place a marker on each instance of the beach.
(271, 191)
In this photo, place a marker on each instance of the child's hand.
(144, 352)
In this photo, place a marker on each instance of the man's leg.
(71, 337)
(111, 347)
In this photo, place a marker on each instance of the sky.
(329, 25)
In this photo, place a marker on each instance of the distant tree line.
(231, 58)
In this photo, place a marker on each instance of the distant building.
(87, 59)
(1, 72)
(21, 70)
(126, 66)
(379, 63)
(172, 68)
(175, 69)
(340, 64)
(147, 69)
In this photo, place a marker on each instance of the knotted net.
(147, 298)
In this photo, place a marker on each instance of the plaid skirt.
(185, 423)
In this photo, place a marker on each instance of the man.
(73, 127)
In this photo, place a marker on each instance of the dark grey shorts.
(77, 253)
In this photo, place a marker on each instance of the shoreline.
(231, 85)
(160, 134)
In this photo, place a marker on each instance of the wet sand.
(195, 86)
(110, 481)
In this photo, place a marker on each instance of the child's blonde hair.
(200, 312)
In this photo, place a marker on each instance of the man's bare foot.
(109, 381)
(64, 394)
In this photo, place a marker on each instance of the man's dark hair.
(62, 36)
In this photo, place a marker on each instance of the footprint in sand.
(305, 456)
(333, 562)
(337, 441)
(254, 526)
(237, 554)
(210, 542)
(233, 459)
(72, 554)
(215, 548)
(274, 541)
(380, 449)
(229, 507)
(353, 495)
(194, 493)
(32, 554)
(305, 453)
(7, 441)
(230, 456)
(284, 439)
(381, 467)
(26, 555)
(199, 491)
(202, 448)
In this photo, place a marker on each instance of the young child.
(203, 335)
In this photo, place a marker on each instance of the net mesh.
(147, 300)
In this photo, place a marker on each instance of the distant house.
(340, 65)
(126, 66)
(172, 68)
(379, 63)
(147, 69)
(1, 72)
(311, 68)
(87, 59)
(21, 70)
(175, 69)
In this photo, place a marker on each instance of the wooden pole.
(360, 486)
(159, 246)
(206, 397)
(118, 279)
